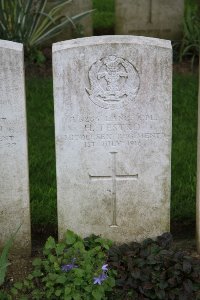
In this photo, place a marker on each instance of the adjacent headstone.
(84, 27)
(113, 136)
(155, 18)
(198, 175)
(14, 190)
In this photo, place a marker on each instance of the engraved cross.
(114, 178)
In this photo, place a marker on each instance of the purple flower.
(105, 267)
(103, 276)
(100, 279)
(68, 267)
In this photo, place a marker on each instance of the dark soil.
(185, 67)
(33, 69)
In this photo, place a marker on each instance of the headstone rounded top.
(11, 45)
(113, 136)
(111, 39)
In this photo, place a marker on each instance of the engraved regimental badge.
(114, 82)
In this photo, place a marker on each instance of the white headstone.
(113, 136)
(155, 18)
(14, 190)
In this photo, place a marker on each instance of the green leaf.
(56, 266)
(79, 272)
(52, 276)
(52, 258)
(18, 285)
(14, 291)
(58, 292)
(97, 294)
(79, 245)
(67, 290)
(68, 297)
(70, 237)
(78, 281)
(111, 282)
(61, 279)
(37, 262)
(60, 248)
(77, 296)
(37, 273)
(30, 277)
(50, 244)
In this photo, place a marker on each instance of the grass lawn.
(42, 149)
(184, 143)
(103, 17)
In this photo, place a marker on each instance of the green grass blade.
(4, 257)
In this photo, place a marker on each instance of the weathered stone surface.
(14, 196)
(155, 18)
(113, 136)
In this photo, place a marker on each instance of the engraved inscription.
(114, 178)
(114, 129)
(7, 139)
(73, 118)
(113, 82)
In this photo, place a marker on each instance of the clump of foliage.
(74, 269)
(34, 22)
(190, 44)
(151, 270)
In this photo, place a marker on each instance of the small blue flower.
(68, 267)
(100, 279)
(103, 276)
(105, 267)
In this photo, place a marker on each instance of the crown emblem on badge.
(113, 82)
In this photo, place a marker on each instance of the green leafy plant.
(32, 23)
(4, 262)
(73, 269)
(190, 44)
(151, 270)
